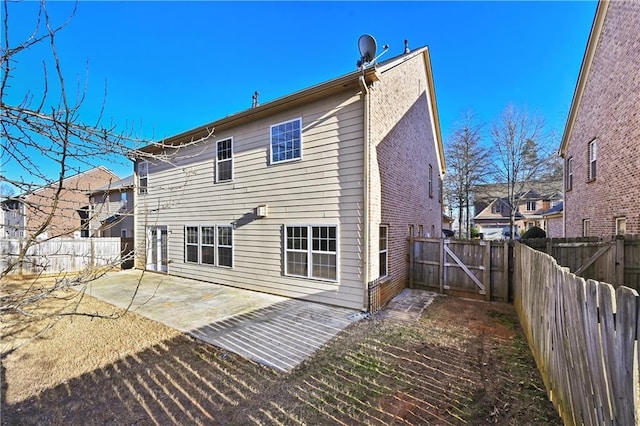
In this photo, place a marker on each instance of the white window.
(621, 225)
(209, 245)
(496, 208)
(224, 160)
(531, 206)
(123, 233)
(593, 155)
(192, 244)
(311, 251)
(143, 176)
(384, 251)
(225, 246)
(569, 183)
(286, 141)
(586, 225)
(430, 181)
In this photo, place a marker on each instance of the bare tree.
(467, 167)
(46, 137)
(522, 154)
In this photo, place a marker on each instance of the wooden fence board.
(61, 255)
(583, 335)
(467, 268)
(620, 265)
(627, 311)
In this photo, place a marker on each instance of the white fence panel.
(59, 255)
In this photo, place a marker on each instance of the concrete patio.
(271, 330)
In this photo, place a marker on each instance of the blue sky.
(171, 66)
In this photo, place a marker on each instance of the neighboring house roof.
(546, 190)
(122, 184)
(65, 180)
(370, 74)
(488, 214)
(555, 210)
(587, 61)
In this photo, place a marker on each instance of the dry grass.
(65, 347)
(464, 362)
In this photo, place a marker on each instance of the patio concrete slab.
(272, 330)
(408, 305)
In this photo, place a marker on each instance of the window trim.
(385, 251)
(620, 220)
(218, 245)
(310, 252)
(218, 161)
(196, 244)
(271, 152)
(586, 227)
(202, 244)
(569, 182)
(143, 189)
(215, 245)
(592, 153)
(529, 203)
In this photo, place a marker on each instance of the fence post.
(486, 262)
(92, 259)
(411, 261)
(619, 266)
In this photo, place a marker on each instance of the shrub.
(534, 232)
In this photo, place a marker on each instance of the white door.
(157, 259)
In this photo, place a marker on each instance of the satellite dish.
(367, 45)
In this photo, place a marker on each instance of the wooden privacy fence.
(478, 269)
(615, 261)
(60, 255)
(583, 335)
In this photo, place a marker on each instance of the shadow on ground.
(377, 371)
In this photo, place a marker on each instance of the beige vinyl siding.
(324, 188)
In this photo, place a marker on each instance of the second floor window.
(593, 156)
(286, 141)
(143, 176)
(531, 206)
(430, 181)
(224, 160)
(569, 183)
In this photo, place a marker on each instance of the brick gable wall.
(609, 112)
(404, 148)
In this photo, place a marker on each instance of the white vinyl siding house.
(293, 208)
(323, 189)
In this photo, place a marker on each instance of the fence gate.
(477, 269)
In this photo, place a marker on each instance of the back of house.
(290, 197)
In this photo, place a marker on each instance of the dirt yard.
(463, 362)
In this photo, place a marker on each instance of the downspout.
(365, 180)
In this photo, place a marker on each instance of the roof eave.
(329, 87)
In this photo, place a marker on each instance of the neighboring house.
(110, 210)
(493, 219)
(553, 220)
(601, 140)
(27, 213)
(312, 195)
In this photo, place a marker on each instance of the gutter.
(365, 92)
